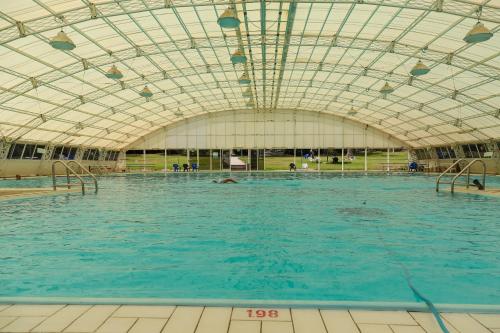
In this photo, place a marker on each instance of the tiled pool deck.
(191, 319)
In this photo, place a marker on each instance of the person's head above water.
(224, 181)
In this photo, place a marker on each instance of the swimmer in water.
(224, 181)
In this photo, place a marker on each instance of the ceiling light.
(229, 19)
(244, 79)
(386, 89)
(178, 113)
(62, 42)
(238, 57)
(250, 104)
(114, 73)
(420, 69)
(479, 33)
(146, 92)
(352, 111)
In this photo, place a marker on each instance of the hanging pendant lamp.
(61, 41)
(238, 57)
(352, 111)
(479, 33)
(386, 89)
(244, 79)
(419, 69)
(114, 73)
(145, 92)
(229, 19)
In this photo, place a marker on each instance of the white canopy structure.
(119, 70)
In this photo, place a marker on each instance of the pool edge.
(358, 305)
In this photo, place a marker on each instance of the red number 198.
(262, 313)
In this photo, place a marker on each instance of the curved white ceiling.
(328, 56)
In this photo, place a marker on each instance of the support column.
(144, 160)
(198, 158)
(388, 160)
(165, 161)
(319, 160)
(249, 160)
(264, 152)
(295, 156)
(210, 159)
(187, 156)
(366, 158)
(342, 159)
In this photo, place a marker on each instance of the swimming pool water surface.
(315, 237)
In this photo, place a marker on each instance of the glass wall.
(446, 152)
(204, 159)
(279, 159)
(16, 151)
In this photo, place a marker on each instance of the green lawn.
(272, 162)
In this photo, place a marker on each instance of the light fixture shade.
(244, 79)
(61, 41)
(420, 69)
(229, 19)
(178, 113)
(146, 92)
(250, 104)
(479, 33)
(247, 93)
(352, 111)
(114, 73)
(238, 57)
(386, 89)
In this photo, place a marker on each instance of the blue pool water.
(271, 236)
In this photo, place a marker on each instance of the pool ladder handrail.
(466, 168)
(70, 171)
(438, 180)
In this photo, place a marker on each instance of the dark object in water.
(478, 184)
(361, 211)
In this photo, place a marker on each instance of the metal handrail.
(467, 168)
(446, 171)
(87, 172)
(68, 170)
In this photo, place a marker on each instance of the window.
(423, 154)
(481, 148)
(57, 154)
(467, 152)
(446, 152)
(474, 150)
(39, 151)
(86, 154)
(28, 152)
(72, 153)
(16, 151)
(96, 155)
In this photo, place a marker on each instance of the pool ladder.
(461, 172)
(71, 172)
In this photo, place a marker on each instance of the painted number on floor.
(262, 313)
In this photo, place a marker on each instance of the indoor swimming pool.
(288, 237)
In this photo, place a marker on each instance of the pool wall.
(358, 305)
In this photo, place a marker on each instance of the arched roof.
(329, 56)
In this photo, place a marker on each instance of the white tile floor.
(185, 319)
